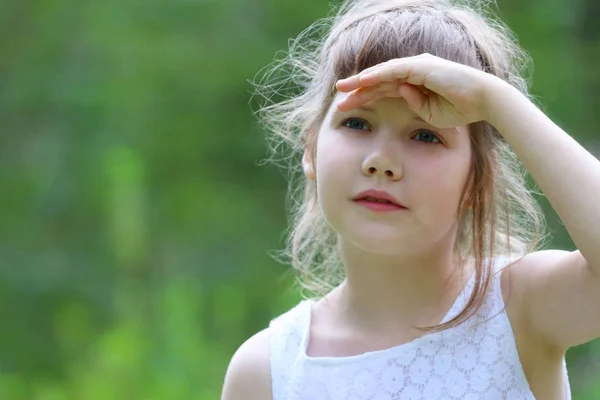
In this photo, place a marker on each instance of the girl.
(415, 227)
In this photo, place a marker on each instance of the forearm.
(568, 174)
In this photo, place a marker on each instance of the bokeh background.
(136, 219)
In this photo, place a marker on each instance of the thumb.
(415, 98)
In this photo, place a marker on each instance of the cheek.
(445, 177)
(336, 158)
(329, 167)
(337, 166)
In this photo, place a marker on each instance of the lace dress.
(475, 360)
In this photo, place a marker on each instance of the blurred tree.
(135, 218)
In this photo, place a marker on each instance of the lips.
(378, 199)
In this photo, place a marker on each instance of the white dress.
(470, 361)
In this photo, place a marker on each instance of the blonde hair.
(498, 214)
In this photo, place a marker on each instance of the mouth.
(378, 201)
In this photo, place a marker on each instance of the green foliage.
(136, 222)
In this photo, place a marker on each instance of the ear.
(308, 164)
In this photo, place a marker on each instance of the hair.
(498, 215)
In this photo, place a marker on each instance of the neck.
(391, 292)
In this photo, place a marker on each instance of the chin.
(384, 243)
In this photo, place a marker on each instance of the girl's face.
(387, 148)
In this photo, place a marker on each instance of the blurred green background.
(136, 221)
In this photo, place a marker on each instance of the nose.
(380, 164)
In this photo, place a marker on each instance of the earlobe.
(308, 165)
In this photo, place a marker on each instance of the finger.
(353, 82)
(348, 84)
(415, 97)
(412, 70)
(356, 81)
(365, 95)
(357, 98)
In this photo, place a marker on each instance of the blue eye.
(355, 123)
(427, 137)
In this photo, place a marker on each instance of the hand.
(443, 93)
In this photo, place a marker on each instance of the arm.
(248, 376)
(560, 290)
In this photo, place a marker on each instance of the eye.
(356, 123)
(427, 137)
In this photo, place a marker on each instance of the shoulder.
(248, 375)
(519, 276)
(550, 299)
(547, 295)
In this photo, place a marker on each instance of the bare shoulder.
(550, 299)
(552, 294)
(521, 274)
(536, 279)
(248, 375)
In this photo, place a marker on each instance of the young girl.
(415, 229)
